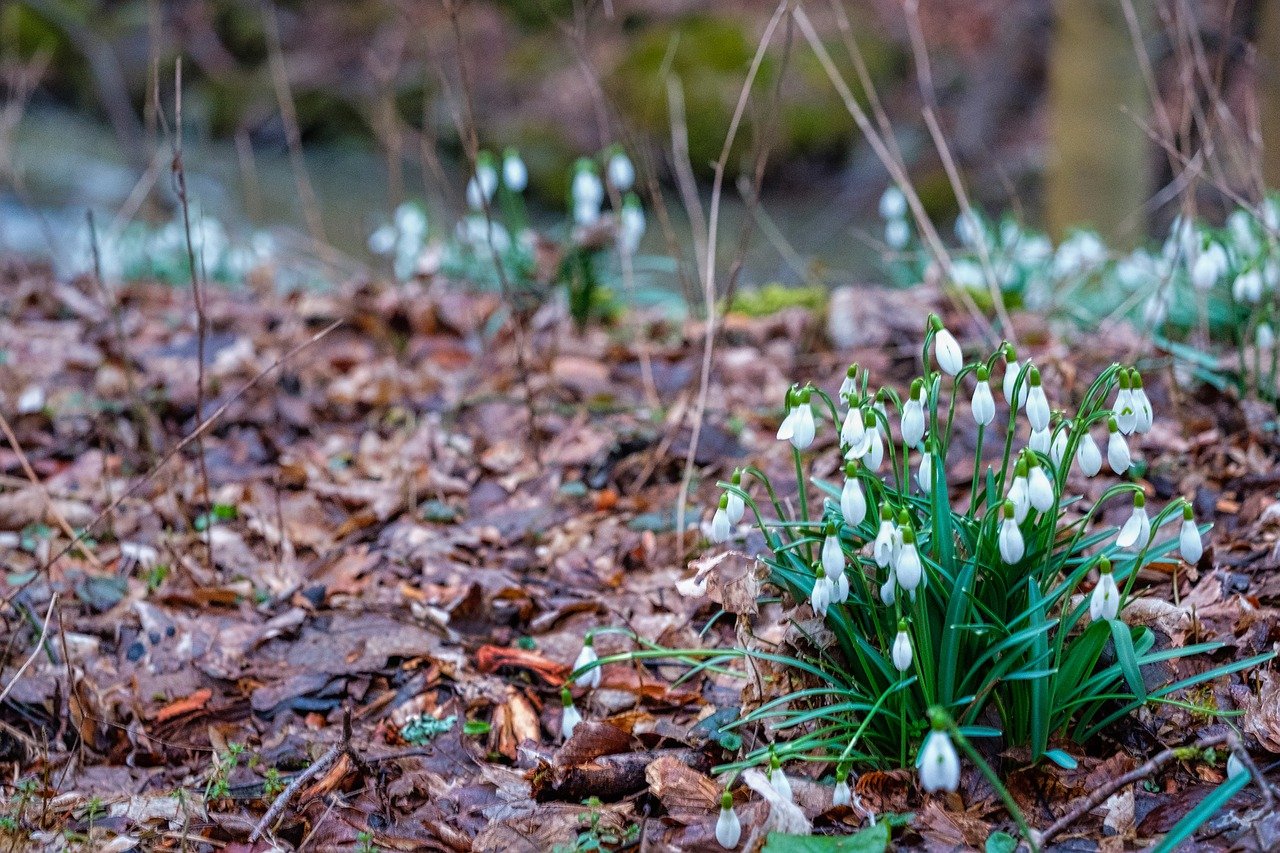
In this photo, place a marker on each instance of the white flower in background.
(1209, 266)
(1019, 494)
(939, 764)
(1156, 308)
(945, 348)
(586, 657)
(1039, 489)
(1011, 372)
(587, 192)
(31, 400)
(968, 228)
(823, 592)
(983, 404)
(720, 524)
(1265, 336)
(569, 716)
(1136, 531)
(841, 795)
(924, 475)
(778, 779)
(1040, 441)
(1012, 546)
(1244, 235)
(967, 273)
(913, 414)
(1088, 457)
(1271, 215)
(882, 548)
(1079, 254)
(1037, 402)
(728, 828)
(383, 239)
(897, 234)
(1189, 543)
(1248, 286)
(1143, 414)
(137, 554)
(902, 648)
(619, 170)
(1117, 448)
(1104, 602)
(893, 204)
(798, 426)
(1235, 767)
(1058, 444)
(514, 172)
(484, 183)
(631, 225)
(907, 567)
(853, 501)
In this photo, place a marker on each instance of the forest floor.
(372, 537)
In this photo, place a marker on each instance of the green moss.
(775, 297)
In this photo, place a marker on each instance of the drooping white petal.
(853, 433)
(889, 590)
(912, 422)
(882, 549)
(805, 429)
(1104, 603)
(1136, 530)
(1058, 446)
(720, 526)
(1118, 453)
(585, 657)
(1039, 489)
(1012, 546)
(1126, 413)
(939, 763)
(1088, 457)
(983, 405)
(840, 594)
(948, 353)
(832, 556)
(875, 452)
(841, 796)
(569, 720)
(1011, 371)
(1037, 408)
(1039, 441)
(820, 598)
(924, 476)
(1189, 543)
(907, 567)
(1235, 767)
(1020, 497)
(781, 783)
(902, 652)
(734, 507)
(728, 829)
(853, 502)
(787, 428)
(1143, 411)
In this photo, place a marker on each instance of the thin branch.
(44, 632)
(322, 765)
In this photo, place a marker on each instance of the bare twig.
(322, 765)
(1242, 755)
(44, 632)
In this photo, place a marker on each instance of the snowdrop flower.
(1248, 286)
(778, 779)
(913, 414)
(1136, 531)
(939, 764)
(823, 591)
(514, 172)
(1104, 603)
(875, 444)
(1039, 489)
(902, 648)
(735, 507)
(1124, 407)
(1088, 457)
(1012, 546)
(728, 828)
(893, 204)
(720, 524)
(882, 548)
(907, 567)
(1040, 441)
(1011, 371)
(1143, 414)
(853, 502)
(842, 796)
(1209, 266)
(1019, 494)
(137, 554)
(849, 386)
(833, 563)
(587, 192)
(1243, 235)
(924, 476)
(798, 426)
(983, 405)
(945, 347)
(619, 170)
(1235, 767)
(968, 228)
(1037, 402)
(1117, 449)
(853, 433)
(586, 657)
(631, 224)
(1265, 337)
(1058, 446)
(483, 183)
(897, 234)
(1189, 544)
(569, 716)
(888, 590)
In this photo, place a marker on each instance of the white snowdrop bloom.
(798, 426)
(1039, 489)
(893, 204)
(888, 590)
(1136, 531)
(1235, 767)
(778, 779)
(631, 225)
(897, 234)
(1248, 286)
(586, 657)
(1210, 264)
(832, 553)
(1104, 602)
(483, 183)
(1142, 412)
(569, 716)
(1012, 546)
(135, 553)
(849, 385)
(924, 475)
(620, 171)
(1155, 309)
(728, 827)
(1019, 493)
(882, 548)
(853, 433)
(383, 240)
(1033, 249)
(983, 405)
(907, 567)
(1088, 457)
(875, 450)
(968, 274)
(842, 796)
(1037, 402)
(939, 764)
(1271, 214)
(968, 228)
(1265, 336)
(1240, 224)
(946, 349)
(1271, 273)
(1058, 444)
(587, 192)
(1117, 449)
(1040, 441)
(853, 501)
(822, 593)
(735, 507)
(1012, 369)
(720, 525)
(902, 648)
(840, 589)
(1189, 543)
(913, 414)
(514, 172)
(31, 400)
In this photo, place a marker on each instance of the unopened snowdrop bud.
(728, 828)
(1012, 546)
(924, 476)
(1058, 446)
(1011, 372)
(983, 405)
(907, 567)
(1104, 603)
(631, 224)
(1088, 457)
(849, 386)
(735, 507)
(1235, 767)
(1144, 416)
(619, 170)
(587, 192)
(1117, 448)
(842, 796)
(1124, 410)
(586, 657)
(1019, 494)
(889, 590)
(823, 589)
(720, 524)
(902, 648)
(945, 347)
(569, 716)
(778, 779)
(893, 204)
(1136, 531)
(1040, 441)
(853, 502)
(1039, 489)
(882, 548)
(939, 763)
(514, 173)
(798, 426)
(1037, 402)
(1189, 543)
(913, 414)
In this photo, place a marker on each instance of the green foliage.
(873, 839)
(218, 785)
(596, 836)
(774, 297)
(422, 728)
